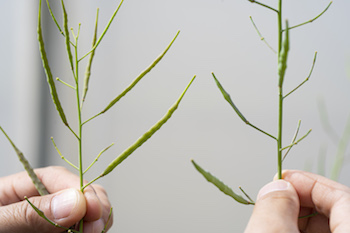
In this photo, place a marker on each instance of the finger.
(13, 188)
(93, 204)
(99, 224)
(64, 208)
(276, 209)
(309, 222)
(328, 197)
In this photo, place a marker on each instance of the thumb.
(64, 208)
(276, 209)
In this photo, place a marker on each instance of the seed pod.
(65, 25)
(220, 185)
(47, 69)
(282, 59)
(146, 71)
(36, 181)
(146, 136)
(88, 67)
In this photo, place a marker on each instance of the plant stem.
(81, 169)
(280, 96)
(80, 125)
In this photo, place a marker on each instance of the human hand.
(281, 202)
(65, 205)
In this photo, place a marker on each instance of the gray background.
(157, 189)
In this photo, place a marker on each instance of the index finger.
(14, 187)
(328, 197)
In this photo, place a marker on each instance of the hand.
(281, 202)
(65, 205)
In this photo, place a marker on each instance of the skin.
(17, 216)
(281, 202)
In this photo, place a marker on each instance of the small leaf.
(220, 185)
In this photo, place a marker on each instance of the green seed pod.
(65, 25)
(146, 136)
(47, 69)
(282, 59)
(220, 185)
(36, 181)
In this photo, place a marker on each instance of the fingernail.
(63, 204)
(277, 185)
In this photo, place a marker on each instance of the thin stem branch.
(261, 37)
(266, 6)
(104, 31)
(307, 78)
(62, 157)
(63, 82)
(98, 156)
(109, 218)
(311, 20)
(293, 140)
(296, 142)
(73, 132)
(100, 176)
(262, 131)
(247, 196)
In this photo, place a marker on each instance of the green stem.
(307, 78)
(261, 37)
(63, 82)
(280, 96)
(104, 31)
(311, 20)
(62, 157)
(80, 132)
(79, 113)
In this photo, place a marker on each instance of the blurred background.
(157, 189)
